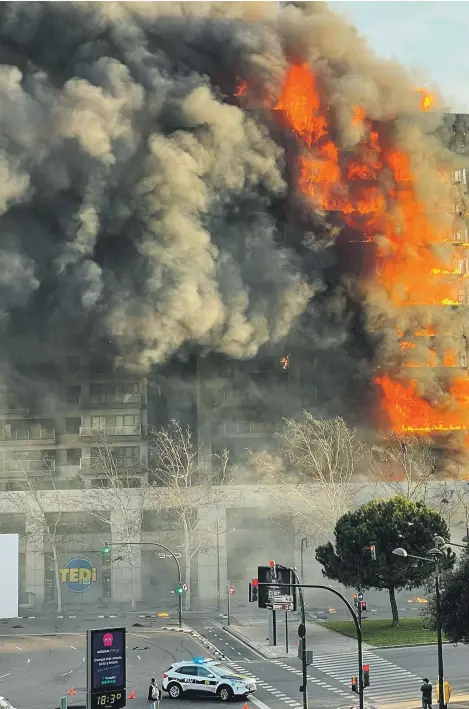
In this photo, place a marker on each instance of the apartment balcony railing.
(37, 434)
(96, 465)
(27, 466)
(104, 431)
(111, 400)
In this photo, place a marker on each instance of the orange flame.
(427, 100)
(408, 268)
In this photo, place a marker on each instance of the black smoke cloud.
(146, 209)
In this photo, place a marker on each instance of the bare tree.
(405, 466)
(191, 482)
(30, 500)
(315, 473)
(123, 490)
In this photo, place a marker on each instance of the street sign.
(283, 593)
(231, 590)
(282, 606)
(185, 587)
(360, 596)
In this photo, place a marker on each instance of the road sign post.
(106, 668)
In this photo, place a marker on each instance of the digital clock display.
(107, 700)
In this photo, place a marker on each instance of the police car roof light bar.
(199, 660)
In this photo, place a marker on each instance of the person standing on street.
(154, 694)
(426, 690)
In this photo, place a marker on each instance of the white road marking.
(140, 659)
(7, 675)
(18, 648)
(67, 673)
(73, 647)
(258, 703)
(29, 660)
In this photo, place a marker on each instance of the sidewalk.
(319, 639)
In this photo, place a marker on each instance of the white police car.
(202, 676)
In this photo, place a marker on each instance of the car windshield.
(223, 671)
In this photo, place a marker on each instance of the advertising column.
(106, 669)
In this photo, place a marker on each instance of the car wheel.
(174, 691)
(225, 693)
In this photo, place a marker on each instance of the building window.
(73, 456)
(116, 425)
(73, 424)
(73, 394)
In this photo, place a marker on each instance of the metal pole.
(304, 666)
(274, 628)
(302, 571)
(361, 688)
(218, 568)
(162, 546)
(229, 605)
(300, 587)
(441, 685)
(286, 632)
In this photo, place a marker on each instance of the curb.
(259, 649)
(83, 617)
(396, 647)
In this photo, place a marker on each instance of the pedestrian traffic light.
(366, 675)
(254, 591)
(106, 549)
(373, 551)
(363, 606)
(354, 685)
(179, 588)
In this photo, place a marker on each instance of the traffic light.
(354, 685)
(254, 591)
(373, 551)
(179, 588)
(366, 675)
(273, 570)
(363, 606)
(355, 600)
(106, 549)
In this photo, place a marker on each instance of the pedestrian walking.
(426, 690)
(154, 694)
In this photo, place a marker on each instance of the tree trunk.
(57, 579)
(395, 612)
(133, 589)
(187, 569)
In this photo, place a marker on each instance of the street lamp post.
(219, 533)
(173, 555)
(304, 545)
(435, 553)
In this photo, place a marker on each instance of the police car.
(202, 676)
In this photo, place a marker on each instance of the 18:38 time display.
(107, 700)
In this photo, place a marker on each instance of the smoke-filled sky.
(427, 36)
(150, 194)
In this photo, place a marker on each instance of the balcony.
(111, 400)
(94, 466)
(27, 435)
(110, 431)
(33, 467)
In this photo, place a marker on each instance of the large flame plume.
(190, 176)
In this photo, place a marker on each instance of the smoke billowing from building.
(152, 200)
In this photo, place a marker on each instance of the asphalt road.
(423, 662)
(396, 675)
(36, 671)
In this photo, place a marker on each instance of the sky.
(428, 38)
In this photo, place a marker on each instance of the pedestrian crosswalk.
(279, 695)
(389, 683)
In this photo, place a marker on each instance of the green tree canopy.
(454, 602)
(388, 524)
